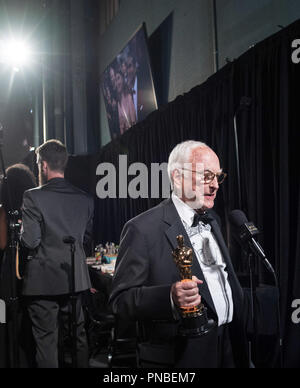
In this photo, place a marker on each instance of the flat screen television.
(127, 85)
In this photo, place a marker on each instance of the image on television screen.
(127, 86)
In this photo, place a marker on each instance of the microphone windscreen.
(237, 218)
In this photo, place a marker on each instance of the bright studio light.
(15, 53)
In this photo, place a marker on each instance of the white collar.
(186, 213)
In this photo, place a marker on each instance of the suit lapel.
(233, 280)
(220, 240)
(218, 235)
(175, 229)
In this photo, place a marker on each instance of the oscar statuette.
(194, 319)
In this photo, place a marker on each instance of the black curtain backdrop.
(269, 150)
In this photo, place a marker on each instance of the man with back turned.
(50, 212)
(147, 286)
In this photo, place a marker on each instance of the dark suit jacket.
(145, 271)
(49, 213)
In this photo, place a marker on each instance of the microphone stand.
(252, 345)
(13, 228)
(245, 102)
(278, 318)
(268, 265)
(73, 332)
(237, 158)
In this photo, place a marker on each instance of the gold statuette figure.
(195, 320)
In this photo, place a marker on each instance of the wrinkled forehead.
(207, 157)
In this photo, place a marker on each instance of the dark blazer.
(49, 213)
(145, 271)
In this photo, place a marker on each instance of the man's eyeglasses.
(208, 176)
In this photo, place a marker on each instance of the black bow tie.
(203, 217)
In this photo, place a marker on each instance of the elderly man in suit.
(147, 286)
(50, 212)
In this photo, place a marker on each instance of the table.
(104, 268)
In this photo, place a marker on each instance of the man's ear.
(44, 166)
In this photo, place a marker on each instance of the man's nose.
(214, 183)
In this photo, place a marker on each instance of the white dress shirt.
(210, 260)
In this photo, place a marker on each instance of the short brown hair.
(54, 153)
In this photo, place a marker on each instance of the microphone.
(245, 232)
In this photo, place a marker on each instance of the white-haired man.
(147, 286)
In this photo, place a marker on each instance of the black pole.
(253, 309)
(237, 158)
(12, 305)
(215, 33)
(73, 300)
(14, 302)
(245, 103)
(252, 343)
(257, 249)
(278, 312)
(71, 241)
